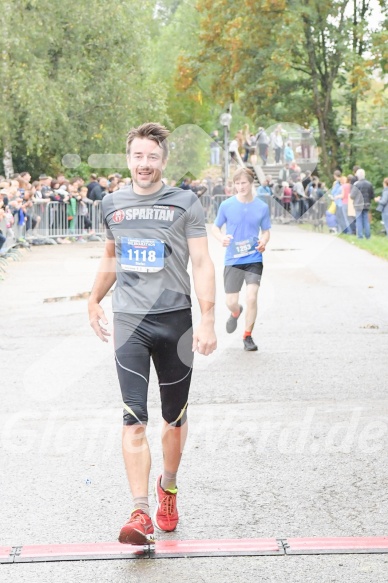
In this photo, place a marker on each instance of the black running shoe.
(231, 323)
(249, 344)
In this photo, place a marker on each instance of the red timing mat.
(193, 548)
(350, 544)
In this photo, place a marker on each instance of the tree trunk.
(353, 94)
(358, 48)
(8, 162)
(332, 139)
(319, 109)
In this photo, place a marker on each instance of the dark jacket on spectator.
(362, 194)
(90, 187)
(97, 193)
(218, 189)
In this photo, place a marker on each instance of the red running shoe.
(166, 514)
(139, 529)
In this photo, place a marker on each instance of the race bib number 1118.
(146, 255)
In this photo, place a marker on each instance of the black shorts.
(235, 275)
(167, 339)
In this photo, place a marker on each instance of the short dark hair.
(151, 131)
(243, 172)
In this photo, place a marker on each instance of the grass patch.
(377, 244)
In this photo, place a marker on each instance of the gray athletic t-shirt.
(150, 234)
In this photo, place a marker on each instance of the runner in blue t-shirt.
(247, 223)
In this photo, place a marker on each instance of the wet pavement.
(288, 441)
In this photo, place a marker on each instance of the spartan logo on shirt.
(159, 212)
(118, 216)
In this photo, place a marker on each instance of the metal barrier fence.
(304, 210)
(9, 247)
(53, 219)
(11, 234)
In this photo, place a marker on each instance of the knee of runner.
(134, 415)
(251, 299)
(231, 303)
(173, 417)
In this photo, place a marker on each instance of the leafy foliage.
(289, 60)
(75, 78)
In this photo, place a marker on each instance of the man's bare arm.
(105, 278)
(264, 238)
(204, 339)
(221, 237)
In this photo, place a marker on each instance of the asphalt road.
(288, 441)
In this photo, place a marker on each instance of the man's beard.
(146, 182)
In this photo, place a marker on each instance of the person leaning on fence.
(218, 188)
(84, 205)
(32, 219)
(45, 182)
(100, 190)
(93, 182)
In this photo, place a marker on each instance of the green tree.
(286, 60)
(75, 77)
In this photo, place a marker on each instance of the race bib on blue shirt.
(243, 248)
(146, 255)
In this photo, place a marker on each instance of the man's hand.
(96, 313)
(226, 240)
(204, 339)
(260, 247)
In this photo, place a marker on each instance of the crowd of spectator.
(291, 194)
(295, 191)
(22, 200)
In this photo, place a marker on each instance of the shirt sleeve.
(108, 232)
(105, 213)
(220, 218)
(266, 220)
(195, 223)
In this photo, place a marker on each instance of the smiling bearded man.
(152, 230)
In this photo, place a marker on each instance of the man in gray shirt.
(152, 230)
